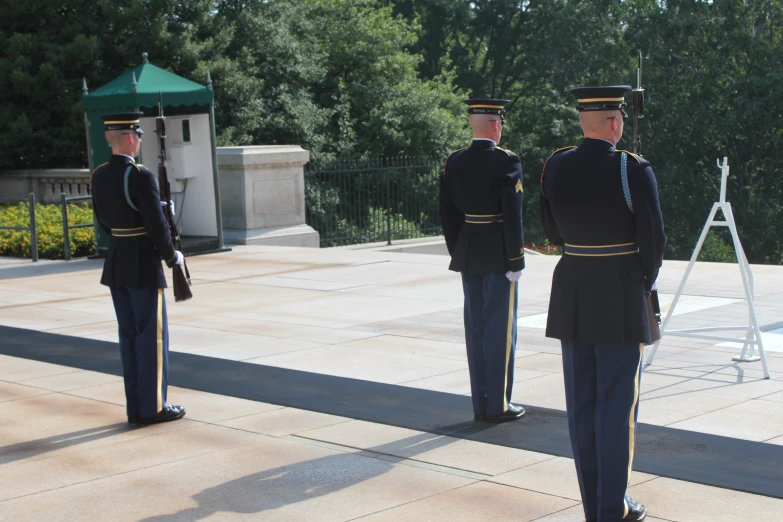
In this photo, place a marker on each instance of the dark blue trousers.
(602, 400)
(144, 348)
(491, 339)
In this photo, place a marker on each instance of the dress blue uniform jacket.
(133, 261)
(479, 183)
(601, 300)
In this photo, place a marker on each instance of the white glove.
(180, 258)
(655, 285)
(163, 204)
(514, 276)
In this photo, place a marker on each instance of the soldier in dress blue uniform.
(127, 205)
(612, 234)
(481, 213)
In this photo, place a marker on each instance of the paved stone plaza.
(390, 318)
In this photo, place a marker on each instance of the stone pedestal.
(262, 195)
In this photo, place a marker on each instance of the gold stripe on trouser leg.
(159, 350)
(509, 335)
(632, 419)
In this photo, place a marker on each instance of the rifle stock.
(180, 274)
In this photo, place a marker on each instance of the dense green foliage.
(713, 73)
(365, 78)
(49, 230)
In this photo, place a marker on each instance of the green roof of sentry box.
(119, 94)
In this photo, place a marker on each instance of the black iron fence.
(31, 228)
(365, 201)
(64, 200)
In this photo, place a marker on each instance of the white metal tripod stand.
(752, 330)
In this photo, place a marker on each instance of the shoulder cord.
(127, 191)
(624, 176)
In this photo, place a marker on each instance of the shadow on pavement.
(33, 448)
(45, 268)
(286, 485)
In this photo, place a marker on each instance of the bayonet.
(638, 108)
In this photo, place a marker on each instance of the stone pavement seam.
(23, 398)
(327, 445)
(413, 463)
(53, 301)
(279, 407)
(536, 491)
(271, 334)
(701, 412)
(89, 398)
(62, 392)
(403, 383)
(106, 322)
(403, 460)
(71, 370)
(411, 502)
(200, 455)
(543, 519)
(107, 445)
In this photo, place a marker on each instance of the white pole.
(744, 271)
(684, 280)
(724, 174)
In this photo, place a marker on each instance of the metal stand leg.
(752, 330)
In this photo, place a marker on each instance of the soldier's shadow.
(33, 448)
(285, 485)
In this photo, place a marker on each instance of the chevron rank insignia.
(518, 186)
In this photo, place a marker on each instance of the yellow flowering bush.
(49, 224)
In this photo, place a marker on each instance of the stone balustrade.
(47, 184)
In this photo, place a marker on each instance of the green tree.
(517, 50)
(45, 52)
(713, 77)
(333, 76)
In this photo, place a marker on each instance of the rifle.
(653, 305)
(180, 278)
(638, 108)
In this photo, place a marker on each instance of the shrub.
(715, 249)
(545, 248)
(49, 225)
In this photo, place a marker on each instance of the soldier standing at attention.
(127, 205)
(481, 213)
(601, 204)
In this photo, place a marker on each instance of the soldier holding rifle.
(128, 207)
(602, 205)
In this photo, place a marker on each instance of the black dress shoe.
(479, 416)
(133, 420)
(636, 511)
(167, 414)
(514, 412)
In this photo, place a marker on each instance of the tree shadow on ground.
(282, 486)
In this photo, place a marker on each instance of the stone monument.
(262, 195)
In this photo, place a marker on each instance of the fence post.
(66, 238)
(33, 232)
(388, 203)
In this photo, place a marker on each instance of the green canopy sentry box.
(191, 156)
